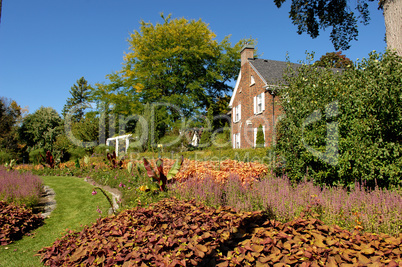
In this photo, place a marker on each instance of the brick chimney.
(246, 52)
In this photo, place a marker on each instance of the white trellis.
(126, 138)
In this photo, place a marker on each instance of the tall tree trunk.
(0, 8)
(393, 24)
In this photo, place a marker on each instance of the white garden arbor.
(126, 138)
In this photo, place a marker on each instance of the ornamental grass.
(19, 188)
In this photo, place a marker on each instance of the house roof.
(271, 71)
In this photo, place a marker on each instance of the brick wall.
(244, 96)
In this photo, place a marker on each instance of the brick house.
(254, 101)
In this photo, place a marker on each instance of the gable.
(235, 90)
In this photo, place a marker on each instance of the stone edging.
(49, 203)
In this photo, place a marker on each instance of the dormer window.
(252, 81)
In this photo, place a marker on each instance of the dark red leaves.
(16, 221)
(185, 233)
(49, 160)
(114, 162)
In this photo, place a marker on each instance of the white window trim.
(235, 110)
(256, 101)
(252, 80)
(236, 140)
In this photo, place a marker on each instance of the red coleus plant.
(162, 179)
(114, 163)
(49, 160)
(16, 221)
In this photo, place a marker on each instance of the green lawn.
(76, 206)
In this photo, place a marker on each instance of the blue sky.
(47, 45)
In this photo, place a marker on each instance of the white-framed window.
(252, 81)
(255, 135)
(237, 113)
(259, 103)
(236, 140)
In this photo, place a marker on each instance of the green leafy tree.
(87, 129)
(40, 129)
(344, 127)
(10, 114)
(334, 60)
(143, 129)
(312, 15)
(206, 134)
(220, 111)
(80, 96)
(260, 142)
(178, 62)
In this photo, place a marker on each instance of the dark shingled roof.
(271, 70)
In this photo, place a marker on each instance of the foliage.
(76, 207)
(309, 242)
(103, 149)
(16, 221)
(80, 96)
(5, 156)
(113, 161)
(86, 131)
(10, 114)
(75, 153)
(48, 159)
(177, 64)
(144, 130)
(40, 129)
(172, 143)
(147, 236)
(10, 165)
(187, 233)
(206, 134)
(310, 16)
(163, 179)
(374, 211)
(220, 109)
(63, 145)
(260, 142)
(35, 155)
(20, 188)
(341, 128)
(334, 60)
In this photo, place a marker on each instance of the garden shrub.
(343, 127)
(215, 154)
(34, 155)
(103, 149)
(221, 141)
(77, 153)
(171, 143)
(5, 157)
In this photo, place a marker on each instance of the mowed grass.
(76, 207)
